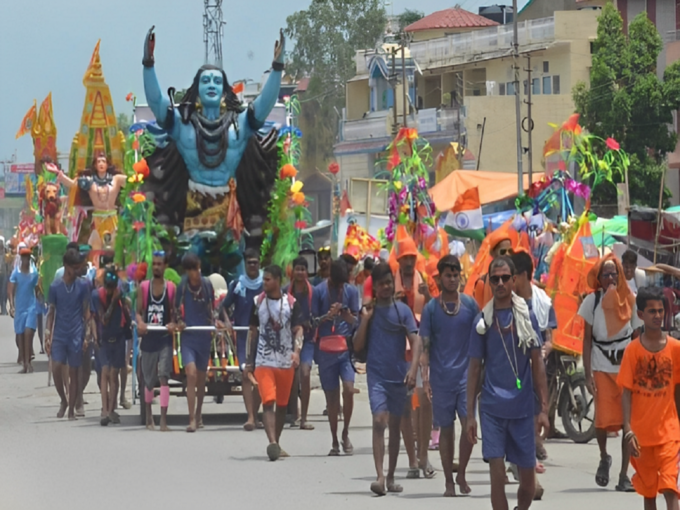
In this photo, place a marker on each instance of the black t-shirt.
(156, 313)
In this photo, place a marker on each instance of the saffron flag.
(465, 219)
(28, 122)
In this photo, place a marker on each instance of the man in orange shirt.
(649, 372)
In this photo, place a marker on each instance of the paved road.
(55, 464)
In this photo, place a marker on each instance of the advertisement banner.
(15, 183)
(22, 168)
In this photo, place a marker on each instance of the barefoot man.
(22, 306)
(66, 338)
(385, 325)
(445, 328)
(506, 341)
(154, 308)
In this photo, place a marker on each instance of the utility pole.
(404, 81)
(393, 81)
(530, 122)
(518, 113)
(213, 31)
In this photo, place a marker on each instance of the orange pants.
(656, 469)
(274, 384)
(608, 398)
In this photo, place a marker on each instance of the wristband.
(630, 434)
(278, 66)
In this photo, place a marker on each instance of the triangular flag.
(28, 121)
(465, 219)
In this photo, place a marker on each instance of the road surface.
(55, 464)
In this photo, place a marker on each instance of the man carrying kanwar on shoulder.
(238, 308)
(608, 314)
(154, 308)
(445, 329)
(275, 340)
(194, 305)
(385, 325)
(506, 340)
(67, 330)
(111, 314)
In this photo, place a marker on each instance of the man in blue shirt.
(445, 327)
(506, 340)
(66, 338)
(303, 292)
(382, 335)
(336, 303)
(112, 314)
(22, 306)
(238, 306)
(194, 307)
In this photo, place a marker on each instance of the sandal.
(378, 489)
(273, 451)
(335, 452)
(602, 475)
(304, 425)
(413, 473)
(624, 484)
(248, 427)
(394, 487)
(428, 471)
(105, 420)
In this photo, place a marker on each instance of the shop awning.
(493, 186)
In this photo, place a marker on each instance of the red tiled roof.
(450, 18)
(302, 85)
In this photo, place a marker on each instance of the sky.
(46, 45)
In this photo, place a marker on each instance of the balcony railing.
(468, 46)
(379, 124)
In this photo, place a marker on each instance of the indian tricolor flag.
(465, 219)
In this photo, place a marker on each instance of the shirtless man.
(103, 188)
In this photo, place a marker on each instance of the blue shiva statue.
(215, 153)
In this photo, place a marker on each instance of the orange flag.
(28, 122)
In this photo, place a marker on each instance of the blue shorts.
(25, 320)
(112, 354)
(514, 440)
(386, 397)
(307, 353)
(332, 368)
(194, 352)
(446, 404)
(67, 353)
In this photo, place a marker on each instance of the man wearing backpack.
(111, 313)
(382, 334)
(445, 328)
(275, 340)
(194, 307)
(154, 308)
(336, 303)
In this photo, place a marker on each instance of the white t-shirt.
(605, 358)
(275, 344)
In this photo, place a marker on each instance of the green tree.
(124, 122)
(408, 17)
(627, 101)
(327, 36)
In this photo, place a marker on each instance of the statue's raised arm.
(265, 102)
(159, 103)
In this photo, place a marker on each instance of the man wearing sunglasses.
(506, 340)
(238, 307)
(323, 258)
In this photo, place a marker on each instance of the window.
(556, 84)
(547, 82)
(546, 66)
(536, 86)
(501, 89)
(510, 88)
